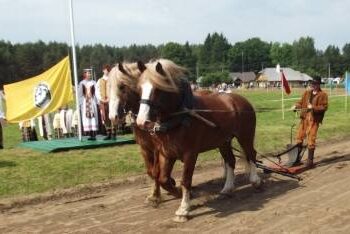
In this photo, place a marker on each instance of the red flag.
(285, 84)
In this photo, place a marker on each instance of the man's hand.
(309, 106)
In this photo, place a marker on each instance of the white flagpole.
(75, 73)
(279, 72)
(282, 87)
(346, 90)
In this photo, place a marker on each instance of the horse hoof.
(153, 201)
(257, 185)
(227, 192)
(224, 195)
(180, 219)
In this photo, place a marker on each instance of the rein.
(186, 111)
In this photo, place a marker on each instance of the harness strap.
(196, 115)
(170, 124)
(145, 101)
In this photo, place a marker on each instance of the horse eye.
(121, 87)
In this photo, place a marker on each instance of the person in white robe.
(89, 110)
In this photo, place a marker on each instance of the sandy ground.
(318, 204)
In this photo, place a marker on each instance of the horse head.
(160, 87)
(124, 94)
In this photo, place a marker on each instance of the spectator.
(102, 95)
(75, 122)
(45, 129)
(87, 92)
(28, 130)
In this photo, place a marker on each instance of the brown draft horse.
(123, 81)
(124, 92)
(162, 99)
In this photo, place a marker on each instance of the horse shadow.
(244, 198)
(7, 164)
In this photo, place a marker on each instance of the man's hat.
(317, 80)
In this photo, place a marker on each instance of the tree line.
(213, 59)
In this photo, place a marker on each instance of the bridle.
(152, 105)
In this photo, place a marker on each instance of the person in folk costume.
(28, 130)
(312, 106)
(56, 123)
(2, 117)
(45, 129)
(69, 120)
(63, 122)
(75, 122)
(66, 121)
(102, 94)
(87, 90)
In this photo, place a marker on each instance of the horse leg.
(250, 153)
(186, 183)
(230, 162)
(165, 167)
(154, 198)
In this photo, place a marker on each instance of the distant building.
(239, 78)
(272, 78)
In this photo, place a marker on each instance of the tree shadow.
(7, 164)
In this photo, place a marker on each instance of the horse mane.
(164, 74)
(129, 78)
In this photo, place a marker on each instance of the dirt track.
(318, 204)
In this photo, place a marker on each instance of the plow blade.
(280, 171)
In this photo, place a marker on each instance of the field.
(317, 204)
(24, 172)
(103, 190)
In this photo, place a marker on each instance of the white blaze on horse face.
(113, 108)
(143, 114)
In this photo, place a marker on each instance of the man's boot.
(310, 158)
(299, 156)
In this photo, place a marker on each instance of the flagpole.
(282, 87)
(346, 90)
(75, 73)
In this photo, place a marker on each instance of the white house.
(271, 77)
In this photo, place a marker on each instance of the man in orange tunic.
(312, 106)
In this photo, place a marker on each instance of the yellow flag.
(39, 95)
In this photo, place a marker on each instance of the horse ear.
(159, 69)
(121, 68)
(141, 66)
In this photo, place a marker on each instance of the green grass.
(25, 172)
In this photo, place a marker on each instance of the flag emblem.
(42, 95)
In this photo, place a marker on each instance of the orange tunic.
(311, 119)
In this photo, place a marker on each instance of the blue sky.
(121, 23)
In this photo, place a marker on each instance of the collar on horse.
(181, 117)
